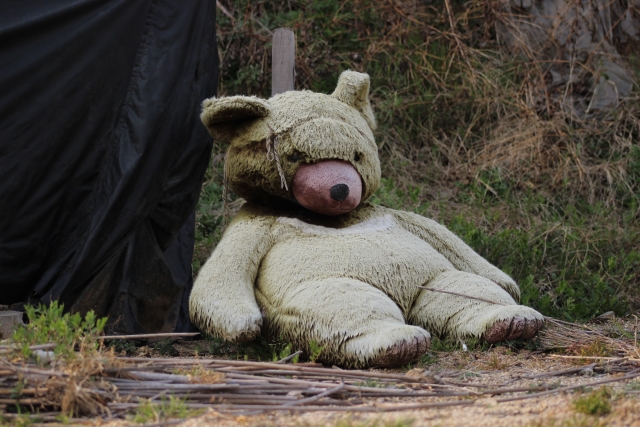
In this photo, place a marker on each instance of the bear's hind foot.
(401, 353)
(516, 328)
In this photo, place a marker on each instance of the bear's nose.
(339, 192)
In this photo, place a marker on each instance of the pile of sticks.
(261, 386)
(113, 387)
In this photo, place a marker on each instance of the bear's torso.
(368, 244)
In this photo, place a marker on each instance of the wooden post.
(283, 61)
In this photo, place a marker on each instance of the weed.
(127, 347)
(218, 346)
(262, 349)
(16, 391)
(63, 419)
(21, 419)
(284, 353)
(495, 362)
(351, 422)
(574, 421)
(209, 214)
(48, 324)
(173, 407)
(447, 344)
(314, 350)
(632, 386)
(476, 344)
(594, 403)
(371, 383)
(597, 348)
(427, 359)
(468, 374)
(165, 347)
(516, 345)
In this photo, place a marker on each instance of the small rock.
(604, 317)
(608, 315)
(9, 322)
(44, 355)
(587, 372)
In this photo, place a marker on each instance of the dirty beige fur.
(349, 283)
(302, 126)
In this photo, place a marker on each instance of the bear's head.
(304, 147)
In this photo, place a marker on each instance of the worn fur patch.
(372, 225)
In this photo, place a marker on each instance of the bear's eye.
(357, 156)
(294, 158)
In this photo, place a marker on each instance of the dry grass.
(615, 339)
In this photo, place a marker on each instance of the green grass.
(350, 422)
(165, 347)
(127, 346)
(47, 324)
(595, 403)
(21, 420)
(574, 421)
(171, 407)
(209, 216)
(372, 383)
(261, 349)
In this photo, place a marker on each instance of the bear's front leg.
(222, 302)
(356, 324)
(459, 316)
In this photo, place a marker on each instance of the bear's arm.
(455, 250)
(223, 301)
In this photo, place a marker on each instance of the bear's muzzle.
(329, 187)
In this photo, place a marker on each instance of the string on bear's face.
(272, 154)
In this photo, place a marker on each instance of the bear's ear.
(222, 115)
(353, 90)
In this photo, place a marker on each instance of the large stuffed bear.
(308, 258)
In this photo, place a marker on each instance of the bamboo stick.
(158, 376)
(613, 359)
(561, 372)
(558, 390)
(316, 397)
(28, 401)
(141, 336)
(24, 391)
(161, 386)
(291, 356)
(11, 349)
(380, 408)
(36, 371)
(291, 367)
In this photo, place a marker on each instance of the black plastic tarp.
(102, 154)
